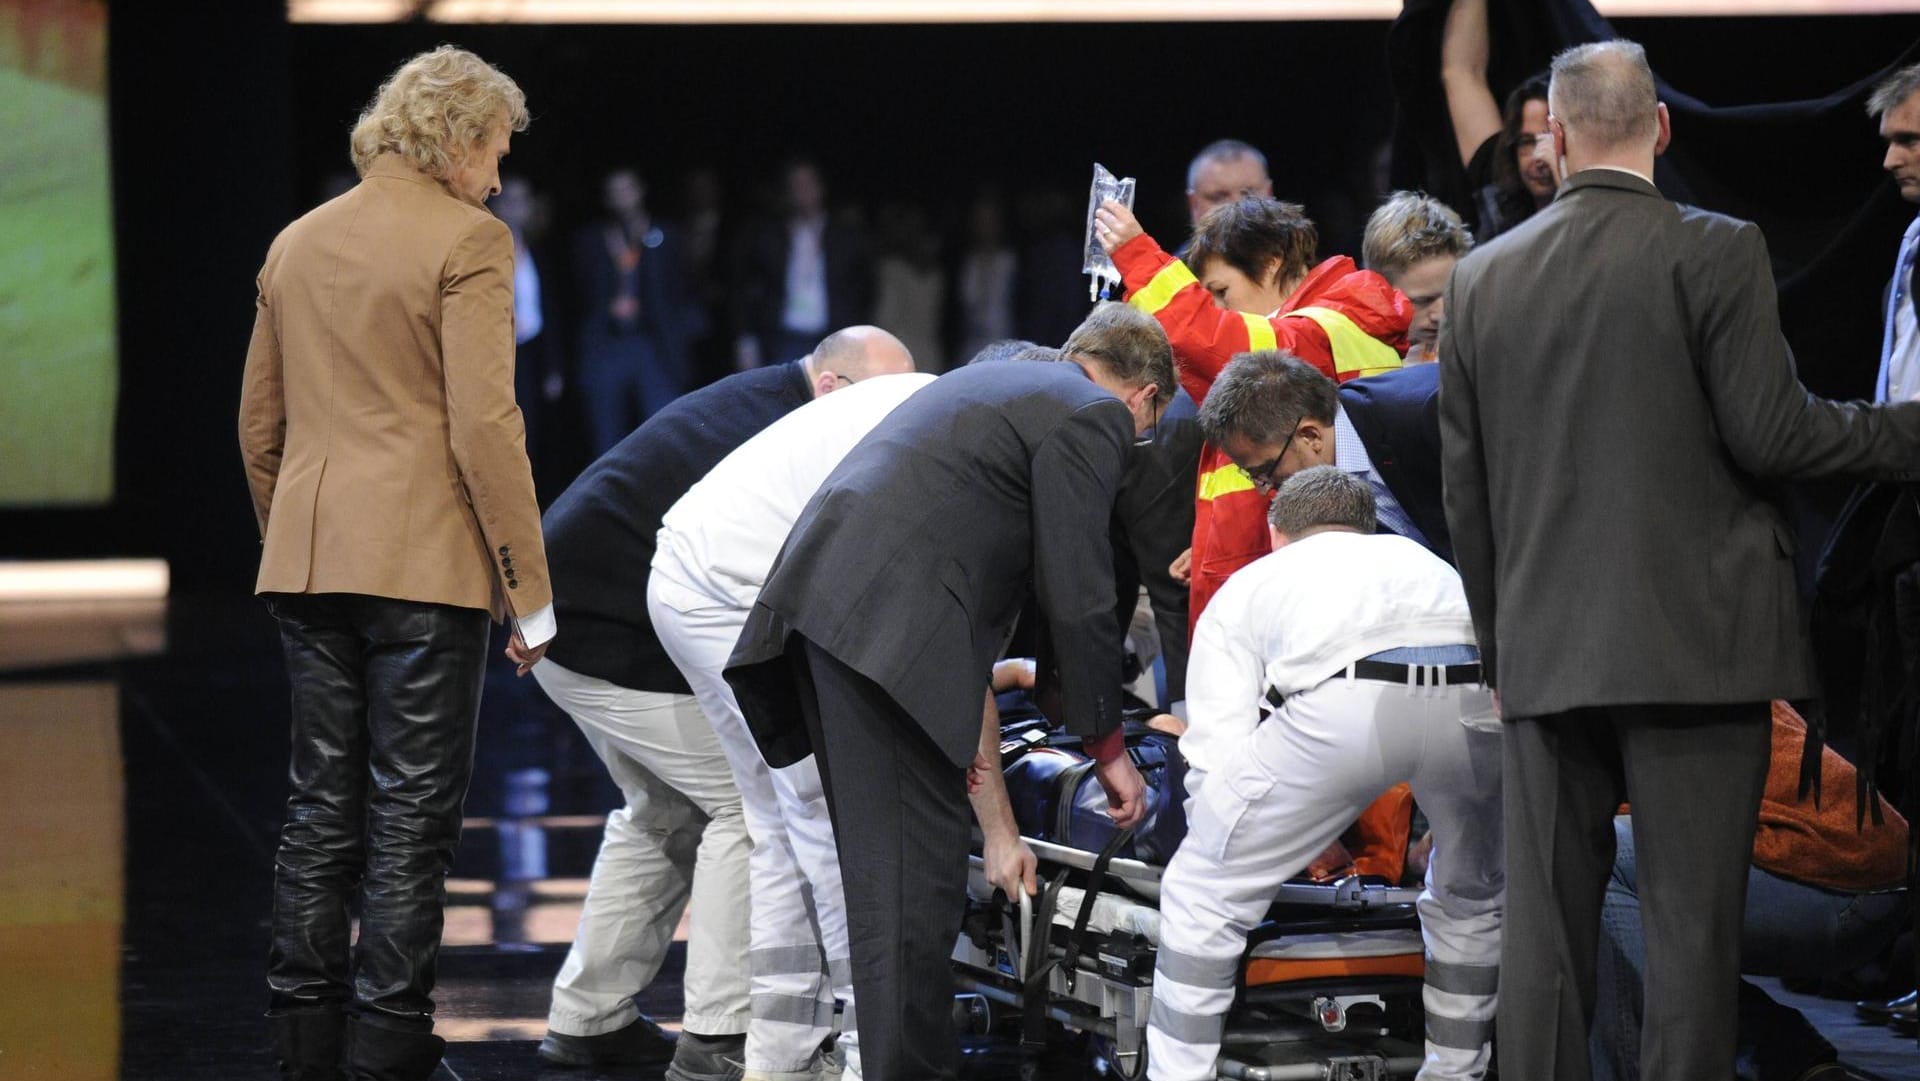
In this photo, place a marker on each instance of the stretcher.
(1329, 988)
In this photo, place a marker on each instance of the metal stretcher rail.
(1349, 893)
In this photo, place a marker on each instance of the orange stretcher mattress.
(1262, 971)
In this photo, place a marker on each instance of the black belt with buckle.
(1451, 675)
(1417, 675)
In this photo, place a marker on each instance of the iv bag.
(1097, 263)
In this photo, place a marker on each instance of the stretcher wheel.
(1110, 1063)
(996, 1016)
(977, 1015)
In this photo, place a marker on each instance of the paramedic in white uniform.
(1322, 674)
(715, 548)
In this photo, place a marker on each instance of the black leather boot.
(376, 1052)
(307, 1044)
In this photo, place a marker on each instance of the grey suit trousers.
(902, 822)
(1694, 775)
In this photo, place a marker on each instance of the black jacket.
(760, 290)
(668, 312)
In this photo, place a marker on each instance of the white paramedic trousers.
(799, 912)
(1303, 776)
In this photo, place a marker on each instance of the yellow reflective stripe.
(1259, 332)
(1223, 480)
(1354, 350)
(1159, 292)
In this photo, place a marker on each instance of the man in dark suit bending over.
(1614, 388)
(872, 642)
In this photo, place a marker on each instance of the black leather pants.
(386, 694)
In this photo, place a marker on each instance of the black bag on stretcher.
(1057, 798)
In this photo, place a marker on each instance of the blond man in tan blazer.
(396, 508)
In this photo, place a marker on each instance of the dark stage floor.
(140, 799)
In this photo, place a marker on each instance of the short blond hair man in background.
(1413, 240)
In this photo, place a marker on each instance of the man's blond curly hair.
(434, 109)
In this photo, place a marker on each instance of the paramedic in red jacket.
(1257, 287)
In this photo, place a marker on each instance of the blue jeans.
(1790, 929)
(624, 379)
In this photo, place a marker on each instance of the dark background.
(227, 123)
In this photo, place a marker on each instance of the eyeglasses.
(1262, 476)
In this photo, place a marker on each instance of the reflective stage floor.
(142, 760)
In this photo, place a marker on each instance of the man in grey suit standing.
(1614, 388)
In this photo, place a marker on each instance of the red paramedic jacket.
(1345, 321)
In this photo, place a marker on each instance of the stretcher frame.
(1342, 1027)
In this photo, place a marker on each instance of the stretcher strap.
(1033, 987)
(1097, 878)
(1034, 994)
(1067, 798)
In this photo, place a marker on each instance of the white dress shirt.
(537, 628)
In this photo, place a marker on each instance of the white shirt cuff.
(537, 628)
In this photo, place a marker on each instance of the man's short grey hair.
(1264, 396)
(1604, 92)
(1893, 90)
(1132, 345)
(1013, 349)
(1323, 497)
(1222, 150)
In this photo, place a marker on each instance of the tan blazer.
(377, 421)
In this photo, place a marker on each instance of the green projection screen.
(59, 367)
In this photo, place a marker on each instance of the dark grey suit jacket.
(1614, 385)
(912, 561)
(1397, 415)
